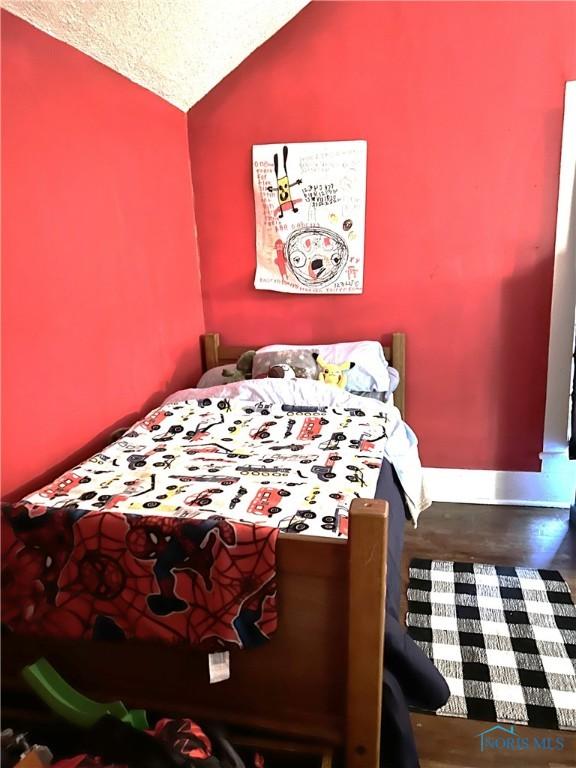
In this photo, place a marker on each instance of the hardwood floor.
(533, 537)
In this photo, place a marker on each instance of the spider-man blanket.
(72, 573)
(170, 532)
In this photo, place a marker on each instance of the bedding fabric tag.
(219, 666)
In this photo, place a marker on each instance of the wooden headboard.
(215, 353)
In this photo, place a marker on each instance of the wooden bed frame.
(320, 676)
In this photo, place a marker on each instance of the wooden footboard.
(320, 676)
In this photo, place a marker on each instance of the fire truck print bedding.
(170, 532)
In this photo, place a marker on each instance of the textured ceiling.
(179, 49)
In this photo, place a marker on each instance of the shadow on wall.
(524, 327)
(520, 386)
(185, 375)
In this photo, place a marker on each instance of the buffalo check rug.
(503, 637)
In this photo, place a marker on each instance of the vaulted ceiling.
(178, 49)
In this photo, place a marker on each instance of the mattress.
(170, 532)
(247, 462)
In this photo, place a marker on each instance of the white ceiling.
(178, 49)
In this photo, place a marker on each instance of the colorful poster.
(310, 213)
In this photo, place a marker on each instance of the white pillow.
(384, 396)
(214, 376)
(370, 373)
(394, 378)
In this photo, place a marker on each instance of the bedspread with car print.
(170, 532)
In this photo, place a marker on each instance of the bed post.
(399, 362)
(367, 549)
(210, 347)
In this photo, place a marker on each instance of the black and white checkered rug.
(504, 638)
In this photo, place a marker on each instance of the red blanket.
(103, 574)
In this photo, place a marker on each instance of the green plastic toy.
(73, 706)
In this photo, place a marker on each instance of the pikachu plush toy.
(332, 373)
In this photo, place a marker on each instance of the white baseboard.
(484, 486)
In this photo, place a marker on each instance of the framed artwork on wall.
(310, 203)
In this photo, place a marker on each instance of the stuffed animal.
(332, 373)
(282, 371)
(243, 368)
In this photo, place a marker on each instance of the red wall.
(100, 284)
(461, 104)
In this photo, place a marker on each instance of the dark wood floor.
(533, 537)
